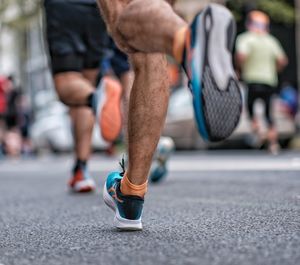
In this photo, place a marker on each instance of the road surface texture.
(214, 208)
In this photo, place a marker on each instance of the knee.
(136, 13)
(62, 82)
(63, 99)
(60, 94)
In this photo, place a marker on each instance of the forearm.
(282, 63)
(240, 60)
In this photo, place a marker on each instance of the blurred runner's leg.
(159, 169)
(76, 48)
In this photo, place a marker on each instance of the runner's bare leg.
(150, 92)
(74, 88)
(147, 111)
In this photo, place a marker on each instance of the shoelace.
(122, 165)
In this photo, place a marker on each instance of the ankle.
(128, 188)
(79, 164)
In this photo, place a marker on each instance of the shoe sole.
(109, 112)
(120, 222)
(217, 98)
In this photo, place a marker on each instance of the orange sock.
(127, 188)
(179, 42)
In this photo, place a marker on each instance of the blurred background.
(32, 120)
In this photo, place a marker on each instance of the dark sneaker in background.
(81, 181)
(159, 167)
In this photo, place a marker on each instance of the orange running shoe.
(109, 109)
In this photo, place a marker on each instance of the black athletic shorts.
(263, 92)
(76, 35)
(115, 61)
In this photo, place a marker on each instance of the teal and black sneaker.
(128, 209)
(208, 63)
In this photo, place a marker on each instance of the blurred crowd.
(15, 118)
(259, 59)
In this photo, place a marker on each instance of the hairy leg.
(150, 92)
(147, 111)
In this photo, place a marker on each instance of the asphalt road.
(215, 208)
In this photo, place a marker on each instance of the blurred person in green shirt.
(259, 57)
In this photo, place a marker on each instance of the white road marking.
(232, 165)
(175, 165)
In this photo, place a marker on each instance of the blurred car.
(181, 127)
(52, 126)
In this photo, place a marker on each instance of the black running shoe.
(128, 209)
